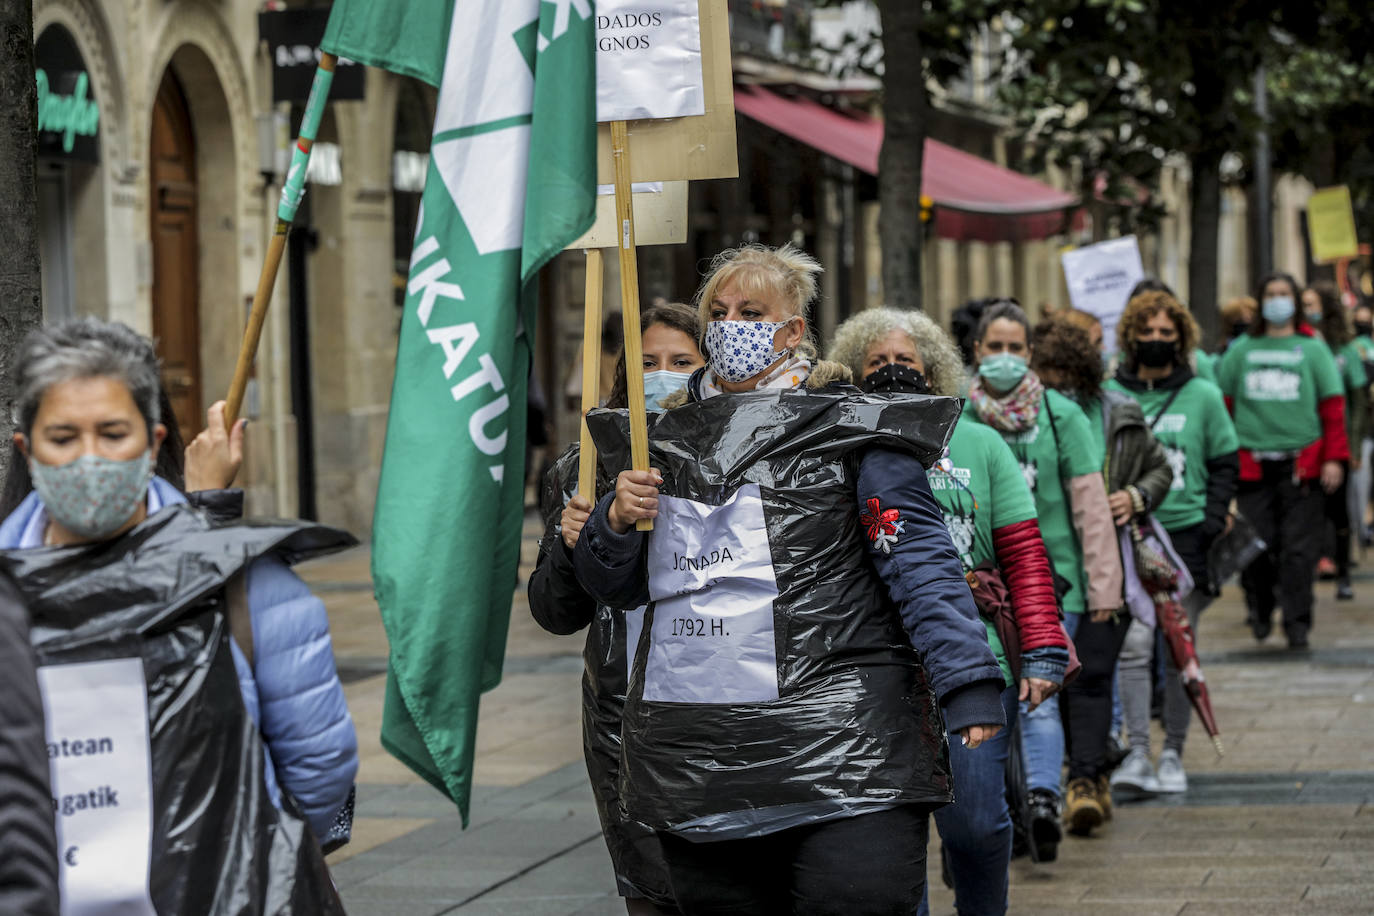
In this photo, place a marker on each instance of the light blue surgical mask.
(661, 383)
(1278, 309)
(1002, 371)
(92, 497)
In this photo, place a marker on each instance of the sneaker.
(1045, 832)
(1343, 590)
(1104, 795)
(1136, 776)
(1171, 777)
(1082, 807)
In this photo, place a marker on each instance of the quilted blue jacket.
(292, 690)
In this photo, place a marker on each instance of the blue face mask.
(658, 385)
(1002, 371)
(1278, 309)
(92, 497)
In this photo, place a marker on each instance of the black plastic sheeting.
(219, 846)
(855, 726)
(634, 849)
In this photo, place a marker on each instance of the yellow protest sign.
(1331, 225)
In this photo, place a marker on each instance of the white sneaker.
(1171, 776)
(1136, 775)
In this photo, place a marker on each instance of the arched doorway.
(176, 274)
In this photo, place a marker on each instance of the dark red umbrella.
(1159, 578)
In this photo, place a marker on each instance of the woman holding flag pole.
(809, 623)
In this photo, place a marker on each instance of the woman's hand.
(1121, 506)
(575, 515)
(636, 497)
(1036, 690)
(214, 457)
(1332, 476)
(974, 735)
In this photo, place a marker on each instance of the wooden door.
(176, 255)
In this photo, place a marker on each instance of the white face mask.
(740, 350)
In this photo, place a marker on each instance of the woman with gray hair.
(134, 578)
(991, 517)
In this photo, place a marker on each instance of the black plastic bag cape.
(773, 683)
(636, 856)
(156, 595)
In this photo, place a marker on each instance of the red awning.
(976, 200)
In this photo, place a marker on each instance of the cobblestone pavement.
(1282, 824)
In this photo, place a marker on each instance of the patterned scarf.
(1015, 411)
(791, 373)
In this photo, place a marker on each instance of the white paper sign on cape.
(101, 767)
(648, 60)
(1100, 278)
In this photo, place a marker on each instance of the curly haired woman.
(990, 514)
(1137, 474)
(1188, 416)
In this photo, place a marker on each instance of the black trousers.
(1288, 516)
(870, 865)
(1086, 704)
(1336, 506)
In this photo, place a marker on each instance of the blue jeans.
(1042, 735)
(976, 829)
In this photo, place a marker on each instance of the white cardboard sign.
(648, 60)
(711, 576)
(1100, 278)
(101, 768)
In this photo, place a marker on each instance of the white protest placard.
(101, 767)
(648, 60)
(1100, 278)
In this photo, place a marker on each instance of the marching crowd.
(925, 577)
(861, 605)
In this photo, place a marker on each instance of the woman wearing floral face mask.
(560, 605)
(990, 513)
(1055, 447)
(88, 421)
(1285, 392)
(809, 618)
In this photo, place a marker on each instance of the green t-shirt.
(1275, 384)
(1047, 469)
(1206, 365)
(980, 490)
(1350, 362)
(1195, 429)
(1365, 347)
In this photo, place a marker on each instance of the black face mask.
(1239, 328)
(1156, 354)
(894, 378)
(1364, 328)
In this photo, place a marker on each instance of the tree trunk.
(21, 303)
(1204, 196)
(899, 163)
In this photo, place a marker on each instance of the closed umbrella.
(1159, 577)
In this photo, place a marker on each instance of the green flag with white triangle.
(511, 182)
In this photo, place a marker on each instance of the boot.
(1104, 795)
(1045, 833)
(1082, 807)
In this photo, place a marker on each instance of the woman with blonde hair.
(990, 514)
(808, 637)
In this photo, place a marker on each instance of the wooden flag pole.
(629, 305)
(591, 373)
(293, 189)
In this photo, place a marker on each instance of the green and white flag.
(511, 181)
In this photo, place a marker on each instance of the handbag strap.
(1167, 404)
(240, 617)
